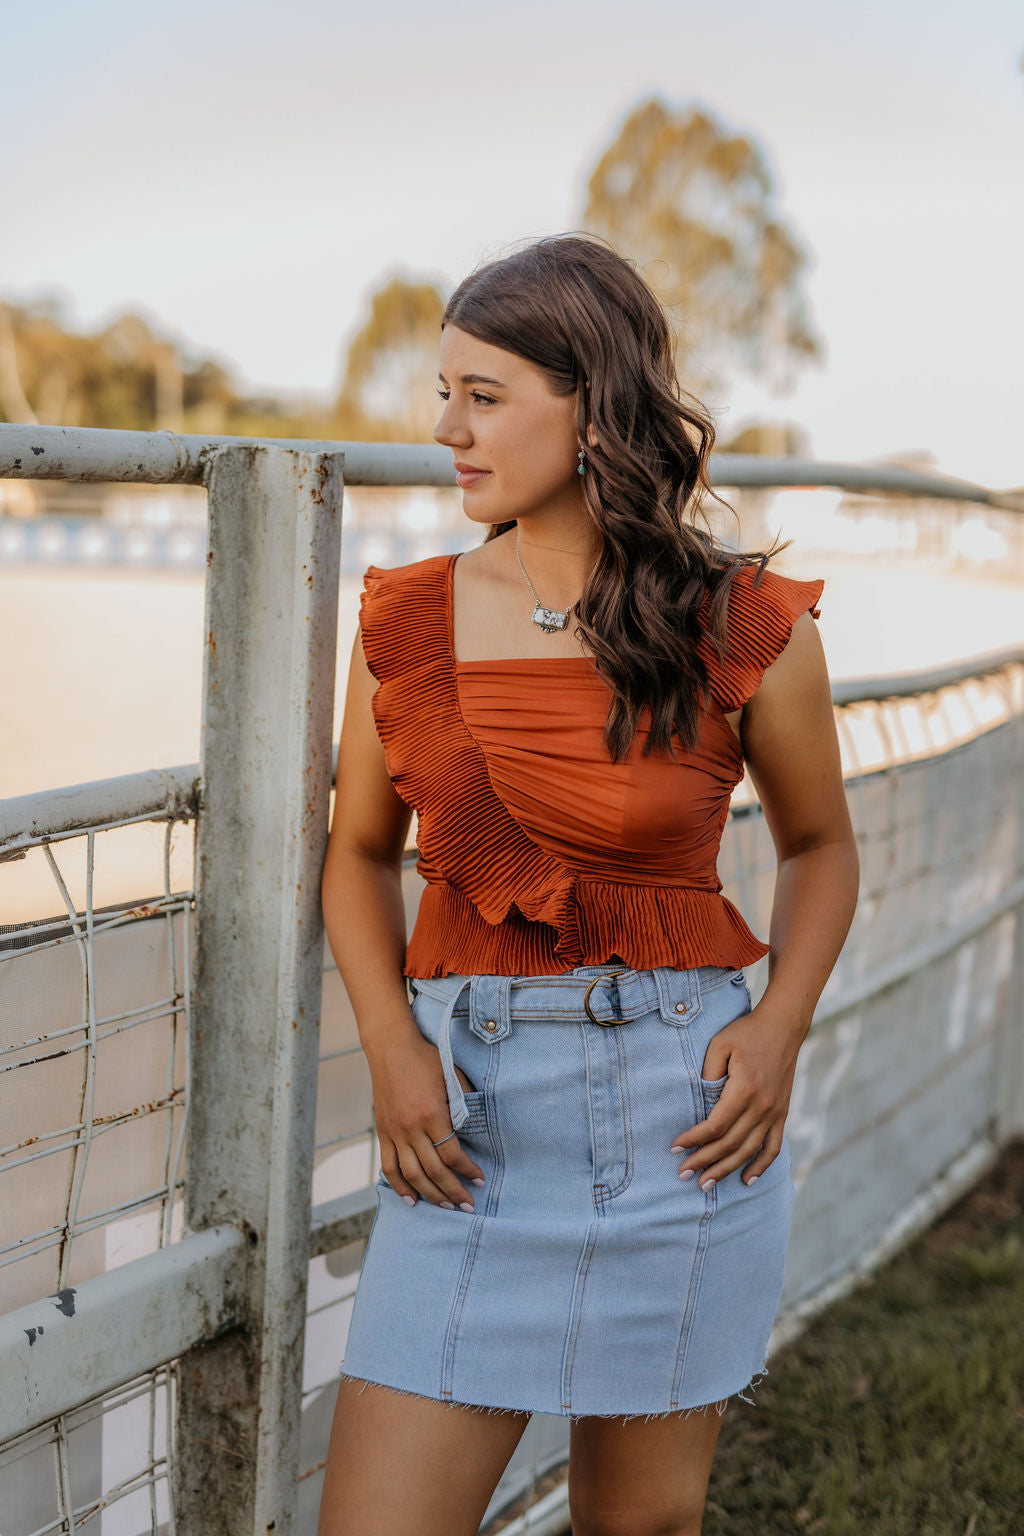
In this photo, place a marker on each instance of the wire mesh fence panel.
(94, 1020)
(102, 1468)
(94, 1015)
(910, 1078)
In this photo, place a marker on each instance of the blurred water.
(102, 670)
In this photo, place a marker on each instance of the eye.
(481, 399)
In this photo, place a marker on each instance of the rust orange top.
(539, 852)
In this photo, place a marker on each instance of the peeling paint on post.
(268, 700)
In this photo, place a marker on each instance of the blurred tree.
(208, 398)
(694, 206)
(388, 391)
(136, 377)
(148, 369)
(776, 439)
(14, 403)
(129, 376)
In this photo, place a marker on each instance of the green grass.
(899, 1412)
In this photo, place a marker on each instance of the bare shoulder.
(799, 665)
(791, 709)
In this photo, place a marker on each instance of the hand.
(759, 1054)
(411, 1113)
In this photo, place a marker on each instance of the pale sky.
(248, 174)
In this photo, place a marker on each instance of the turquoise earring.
(583, 467)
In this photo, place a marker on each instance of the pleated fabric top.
(539, 853)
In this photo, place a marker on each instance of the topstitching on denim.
(639, 991)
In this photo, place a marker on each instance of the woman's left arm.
(792, 752)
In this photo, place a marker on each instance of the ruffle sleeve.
(763, 607)
(384, 619)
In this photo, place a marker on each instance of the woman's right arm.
(364, 915)
(361, 889)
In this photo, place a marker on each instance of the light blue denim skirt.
(589, 1280)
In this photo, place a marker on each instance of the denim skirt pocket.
(718, 1006)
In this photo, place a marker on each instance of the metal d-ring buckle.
(611, 976)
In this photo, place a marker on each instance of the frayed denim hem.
(671, 1413)
(424, 1397)
(683, 1413)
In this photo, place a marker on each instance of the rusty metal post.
(271, 635)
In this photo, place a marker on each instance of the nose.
(450, 431)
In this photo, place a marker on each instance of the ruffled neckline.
(574, 665)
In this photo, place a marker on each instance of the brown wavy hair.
(581, 312)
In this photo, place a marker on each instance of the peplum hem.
(648, 925)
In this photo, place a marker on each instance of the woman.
(585, 1193)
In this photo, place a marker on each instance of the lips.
(468, 474)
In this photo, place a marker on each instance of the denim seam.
(494, 1131)
(697, 1268)
(576, 1313)
(696, 1276)
(693, 1066)
(627, 1111)
(598, 1191)
(458, 1306)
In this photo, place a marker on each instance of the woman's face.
(500, 416)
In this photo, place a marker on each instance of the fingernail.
(708, 1184)
(678, 1149)
(476, 1181)
(687, 1173)
(409, 1199)
(447, 1205)
(466, 1206)
(754, 1179)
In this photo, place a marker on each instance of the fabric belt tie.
(456, 1097)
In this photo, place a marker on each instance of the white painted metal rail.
(218, 1310)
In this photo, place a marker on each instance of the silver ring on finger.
(443, 1139)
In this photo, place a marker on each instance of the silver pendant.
(549, 619)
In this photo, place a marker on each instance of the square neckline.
(494, 661)
(490, 662)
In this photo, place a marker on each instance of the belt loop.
(456, 1098)
(678, 993)
(490, 1007)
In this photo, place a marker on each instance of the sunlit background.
(232, 220)
(249, 225)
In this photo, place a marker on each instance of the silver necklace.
(549, 619)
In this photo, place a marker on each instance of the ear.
(591, 434)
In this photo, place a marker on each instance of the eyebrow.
(475, 378)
